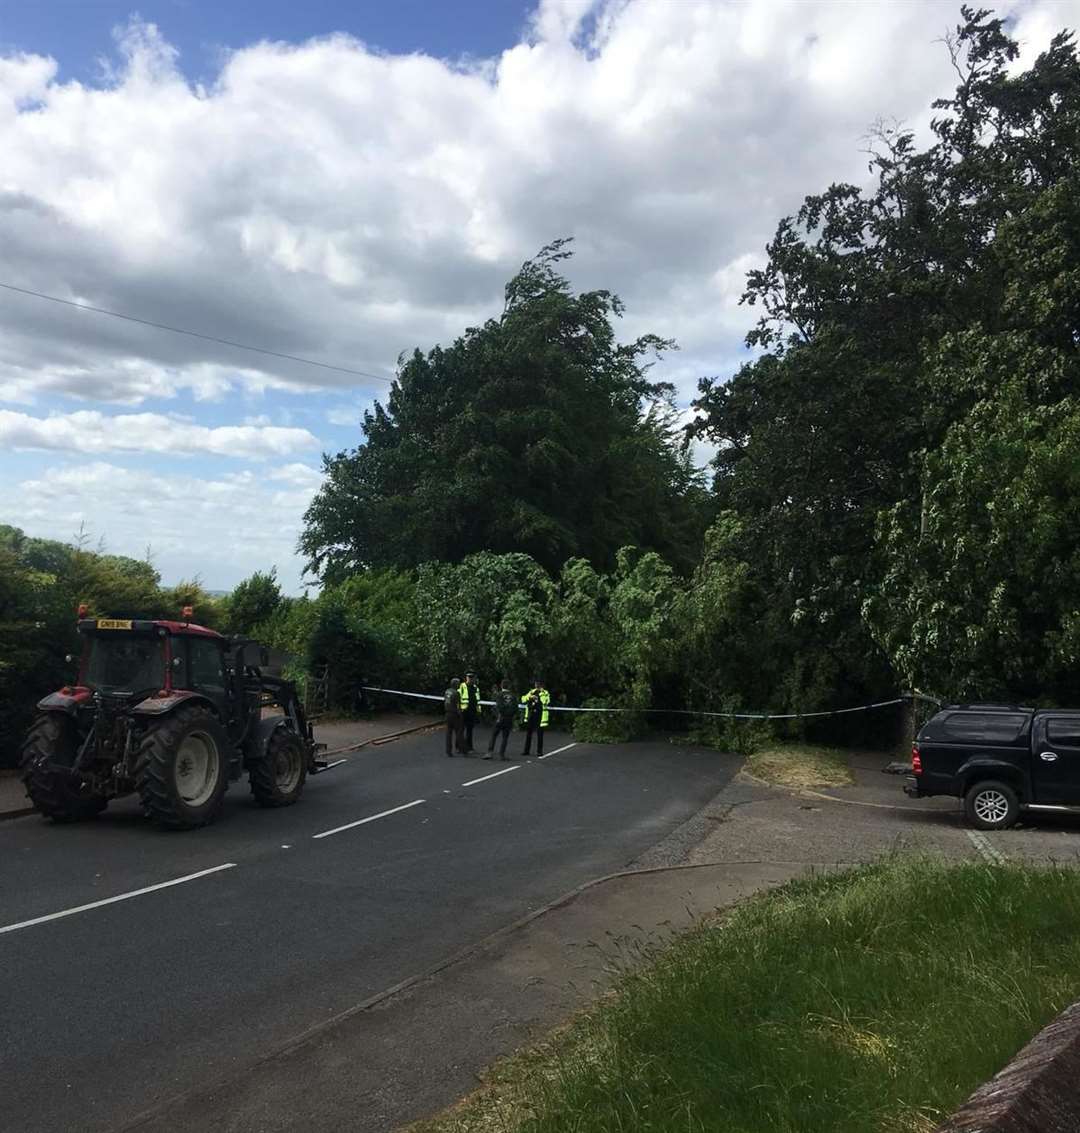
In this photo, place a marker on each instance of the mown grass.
(801, 766)
(870, 1001)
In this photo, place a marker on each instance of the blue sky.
(79, 32)
(230, 169)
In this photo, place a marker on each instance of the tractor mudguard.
(259, 741)
(160, 705)
(66, 700)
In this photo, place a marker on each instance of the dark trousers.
(468, 723)
(531, 727)
(454, 733)
(503, 728)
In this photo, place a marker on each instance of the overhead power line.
(194, 333)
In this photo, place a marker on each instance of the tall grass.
(873, 1000)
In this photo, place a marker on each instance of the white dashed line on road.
(113, 900)
(370, 818)
(981, 843)
(494, 774)
(567, 747)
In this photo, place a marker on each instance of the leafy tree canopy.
(886, 318)
(537, 433)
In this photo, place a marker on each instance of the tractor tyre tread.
(49, 736)
(153, 775)
(264, 787)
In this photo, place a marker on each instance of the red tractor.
(174, 712)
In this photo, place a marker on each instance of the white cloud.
(350, 414)
(300, 476)
(221, 529)
(343, 415)
(89, 431)
(325, 200)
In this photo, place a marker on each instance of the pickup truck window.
(1065, 732)
(977, 727)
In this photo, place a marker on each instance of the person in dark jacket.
(470, 708)
(505, 711)
(454, 733)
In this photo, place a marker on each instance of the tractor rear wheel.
(278, 778)
(183, 768)
(53, 739)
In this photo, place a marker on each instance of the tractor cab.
(132, 658)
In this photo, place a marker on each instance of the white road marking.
(113, 900)
(370, 818)
(493, 775)
(336, 763)
(981, 843)
(558, 749)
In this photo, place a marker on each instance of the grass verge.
(801, 766)
(869, 1001)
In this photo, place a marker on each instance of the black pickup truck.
(1000, 760)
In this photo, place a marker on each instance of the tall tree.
(862, 295)
(536, 433)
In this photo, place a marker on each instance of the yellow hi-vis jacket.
(545, 700)
(464, 690)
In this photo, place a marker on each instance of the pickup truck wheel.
(991, 805)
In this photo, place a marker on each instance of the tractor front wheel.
(51, 745)
(277, 779)
(183, 768)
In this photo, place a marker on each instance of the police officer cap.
(470, 673)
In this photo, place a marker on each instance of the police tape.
(905, 699)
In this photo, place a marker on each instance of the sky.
(345, 182)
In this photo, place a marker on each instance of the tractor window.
(125, 663)
(207, 670)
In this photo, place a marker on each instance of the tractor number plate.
(114, 623)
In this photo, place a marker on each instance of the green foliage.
(888, 320)
(117, 586)
(489, 613)
(981, 585)
(536, 433)
(743, 737)
(605, 727)
(253, 602)
(37, 629)
(206, 610)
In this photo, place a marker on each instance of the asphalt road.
(109, 1011)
